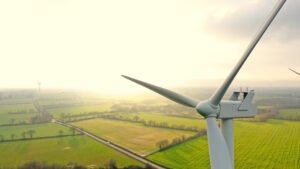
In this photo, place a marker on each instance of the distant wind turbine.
(294, 71)
(39, 86)
(221, 144)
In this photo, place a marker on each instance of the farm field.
(78, 109)
(134, 136)
(171, 120)
(289, 114)
(274, 144)
(41, 130)
(79, 149)
(15, 101)
(18, 112)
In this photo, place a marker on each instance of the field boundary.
(39, 138)
(123, 150)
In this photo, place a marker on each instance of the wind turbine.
(221, 144)
(39, 86)
(294, 71)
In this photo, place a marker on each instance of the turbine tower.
(221, 144)
(294, 71)
(39, 86)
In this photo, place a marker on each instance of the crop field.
(17, 112)
(264, 107)
(78, 149)
(79, 109)
(161, 117)
(289, 114)
(274, 144)
(16, 101)
(134, 136)
(41, 130)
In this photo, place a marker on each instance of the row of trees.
(164, 144)
(68, 116)
(111, 164)
(30, 133)
(72, 130)
(151, 123)
(24, 111)
(139, 107)
(23, 135)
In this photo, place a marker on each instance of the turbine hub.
(206, 109)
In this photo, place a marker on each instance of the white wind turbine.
(221, 144)
(294, 71)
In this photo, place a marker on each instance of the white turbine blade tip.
(178, 98)
(294, 71)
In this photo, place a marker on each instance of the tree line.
(111, 164)
(151, 123)
(165, 144)
(30, 133)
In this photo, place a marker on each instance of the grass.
(79, 149)
(7, 112)
(274, 144)
(133, 136)
(41, 130)
(289, 114)
(264, 107)
(79, 109)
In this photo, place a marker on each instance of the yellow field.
(133, 136)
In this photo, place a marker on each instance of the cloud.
(242, 19)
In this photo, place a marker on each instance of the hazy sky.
(90, 43)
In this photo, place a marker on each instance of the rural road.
(118, 148)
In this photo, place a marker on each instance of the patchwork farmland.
(138, 125)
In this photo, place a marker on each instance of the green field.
(78, 109)
(79, 149)
(133, 136)
(41, 130)
(270, 145)
(18, 112)
(289, 114)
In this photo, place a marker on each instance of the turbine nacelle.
(235, 108)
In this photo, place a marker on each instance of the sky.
(88, 44)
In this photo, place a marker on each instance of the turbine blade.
(167, 93)
(218, 95)
(294, 71)
(220, 157)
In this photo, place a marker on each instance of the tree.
(12, 120)
(23, 134)
(162, 144)
(62, 115)
(73, 131)
(136, 118)
(31, 132)
(176, 141)
(61, 132)
(202, 132)
(112, 164)
(12, 136)
(1, 138)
